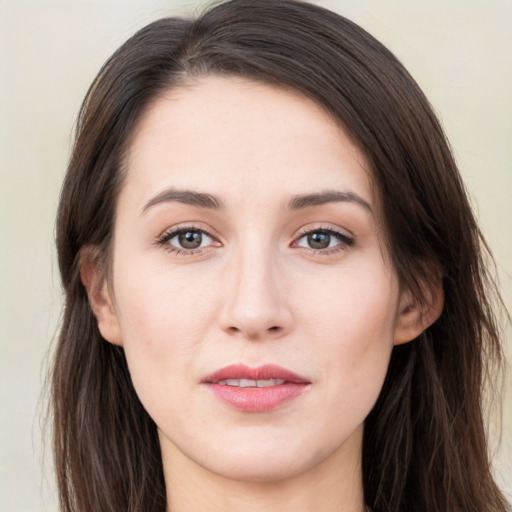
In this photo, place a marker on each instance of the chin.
(269, 460)
(261, 467)
(247, 457)
(263, 452)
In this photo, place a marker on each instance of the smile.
(259, 389)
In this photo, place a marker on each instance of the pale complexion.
(303, 283)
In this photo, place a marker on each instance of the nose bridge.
(255, 304)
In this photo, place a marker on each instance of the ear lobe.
(96, 285)
(414, 318)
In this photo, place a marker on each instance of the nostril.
(274, 329)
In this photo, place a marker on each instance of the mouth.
(259, 389)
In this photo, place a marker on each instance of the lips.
(255, 389)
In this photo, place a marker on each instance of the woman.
(275, 291)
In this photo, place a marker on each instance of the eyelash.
(345, 241)
(163, 240)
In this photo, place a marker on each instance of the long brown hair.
(424, 445)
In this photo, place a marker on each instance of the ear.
(93, 278)
(413, 318)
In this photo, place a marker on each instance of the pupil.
(319, 240)
(190, 239)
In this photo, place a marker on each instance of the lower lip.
(257, 399)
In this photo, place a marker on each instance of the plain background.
(460, 52)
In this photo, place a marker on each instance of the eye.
(322, 239)
(186, 239)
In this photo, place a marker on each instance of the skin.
(254, 292)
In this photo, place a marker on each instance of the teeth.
(249, 383)
(269, 382)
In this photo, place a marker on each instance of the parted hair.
(424, 446)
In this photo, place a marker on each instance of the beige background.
(460, 51)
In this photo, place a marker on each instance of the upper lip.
(265, 372)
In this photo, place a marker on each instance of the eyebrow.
(190, 197)
(302, 201)
(298, 202)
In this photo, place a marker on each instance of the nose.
(256, 303)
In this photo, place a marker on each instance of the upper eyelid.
(329, 229)
(172, 231)
(174, 234)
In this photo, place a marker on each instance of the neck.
(335, 484)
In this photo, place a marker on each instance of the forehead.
(235, 136)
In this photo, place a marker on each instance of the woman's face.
(251, 288)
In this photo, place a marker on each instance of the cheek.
(353, 328)
(158, 304)
(357, 306)
(161, 325)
